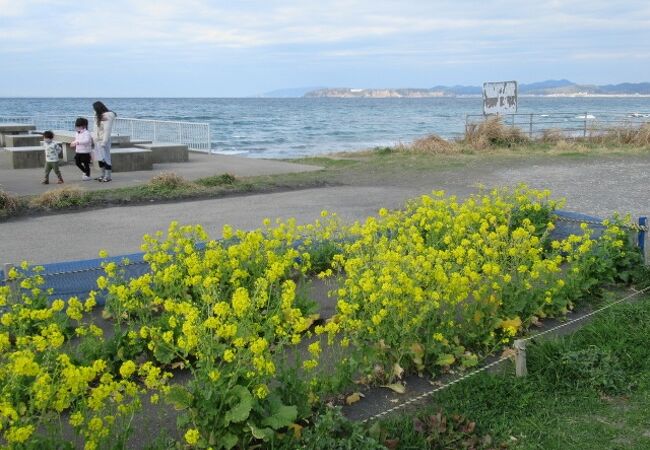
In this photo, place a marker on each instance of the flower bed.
(439, 284)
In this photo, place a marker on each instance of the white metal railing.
(195, 135)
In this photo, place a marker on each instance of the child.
(52, 150)
(83, 145)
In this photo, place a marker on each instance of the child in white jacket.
(83, 145)
(104, 119)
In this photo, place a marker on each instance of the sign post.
(500, 97)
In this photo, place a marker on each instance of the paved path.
(593, 186)
(28, 181)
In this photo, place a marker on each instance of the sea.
(299, 127)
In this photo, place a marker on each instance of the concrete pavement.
(592, 186)
(28, 181)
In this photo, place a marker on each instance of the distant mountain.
(542, 85)
(291, 92)
(546, 88)
(460, 90)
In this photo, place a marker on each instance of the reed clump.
(492, 132)
(623, 135)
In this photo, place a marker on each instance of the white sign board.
(500, 97)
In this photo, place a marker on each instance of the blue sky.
(240, 48)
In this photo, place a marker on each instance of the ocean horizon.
(260, 127)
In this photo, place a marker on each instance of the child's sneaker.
(60, 181)
(45, 182)
(85, 178)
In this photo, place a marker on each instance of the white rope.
(577, 319)
(498, 361)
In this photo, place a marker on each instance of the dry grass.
(570, 146)
(60, 198)
(169, 180)
(552, 136)
(630, 135)
(433, 144)
(493, 133)
(8, 202)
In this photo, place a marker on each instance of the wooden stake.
(520, 358)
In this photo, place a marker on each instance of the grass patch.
(340, 161)
(8, 203)
(590, 390)
(225, 179)
(61, 198)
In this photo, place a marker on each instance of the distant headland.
(549, 88)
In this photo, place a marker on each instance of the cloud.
(251, 24)
(328, 36)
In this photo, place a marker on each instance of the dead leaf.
(311, 319)
(334, 319)
(353, 398)
(509, 353)
(391, 444)
(297, 430)
(396, 387)
(417, 349)
(398, 371)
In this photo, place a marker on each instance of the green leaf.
(163, 354)
(242, 409)
(281, 415)
(469, 360)
(180, 397)
(445, 360)
(260, 433)
(229, 440)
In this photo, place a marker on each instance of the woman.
(104, 119)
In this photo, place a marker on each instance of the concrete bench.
(166, 153)
(9, 129)
(16, 128)
(131, 159)
(22, 157)
(66, 136)
(21, 140)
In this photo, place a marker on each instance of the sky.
(203, 48)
